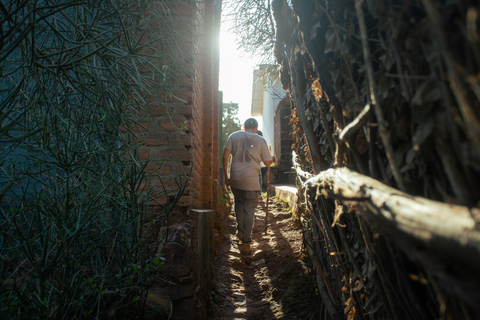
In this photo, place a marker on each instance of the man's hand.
(268, 163)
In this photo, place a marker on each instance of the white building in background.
(266, 94)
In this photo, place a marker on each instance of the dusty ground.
(273, 282)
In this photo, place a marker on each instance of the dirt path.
(271, 283)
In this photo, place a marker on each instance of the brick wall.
(180, 131)
(178, 134)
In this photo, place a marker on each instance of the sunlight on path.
(252, 287)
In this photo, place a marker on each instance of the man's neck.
(250, 130)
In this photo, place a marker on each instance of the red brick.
(161, 199)
(177, 174)
(156, 109)
(207, 181)
(177, 98)
(179, 9)
(184, 140)
(143, 183)
(185, 201)
(183, 10)
(144, 154)
(186, 110)
(158, 168)
(196, 203)
(208, 157)
(155, 140)
(207, 172)
(186, 81)
(169, 155)
(186, 169)
(189, 188)
(184, 95)
(174, 123)
(142, 126)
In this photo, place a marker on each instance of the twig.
(328, 132)
(356, 124)
(342, 48)
(468, 114)
(383, 131)
(455, 176)
(298, 169)
(268, 198)
(378, 276)
(298, 79)
(330, 300)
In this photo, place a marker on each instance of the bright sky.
(236, 74)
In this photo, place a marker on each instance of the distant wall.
(272, 95)
(283, 142)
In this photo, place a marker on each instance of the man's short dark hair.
(251, 123)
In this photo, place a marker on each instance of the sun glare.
(236, 73)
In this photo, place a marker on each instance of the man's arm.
(225, 163)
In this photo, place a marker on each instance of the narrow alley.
(274, 282)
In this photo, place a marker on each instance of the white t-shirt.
(248, 150)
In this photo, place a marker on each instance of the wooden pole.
(268, 196)
(443, 238)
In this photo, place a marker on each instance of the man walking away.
(247, 149)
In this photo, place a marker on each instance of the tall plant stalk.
(74, 78)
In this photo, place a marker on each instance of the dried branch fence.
(386, 127)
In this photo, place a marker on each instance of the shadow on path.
(255, 286)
